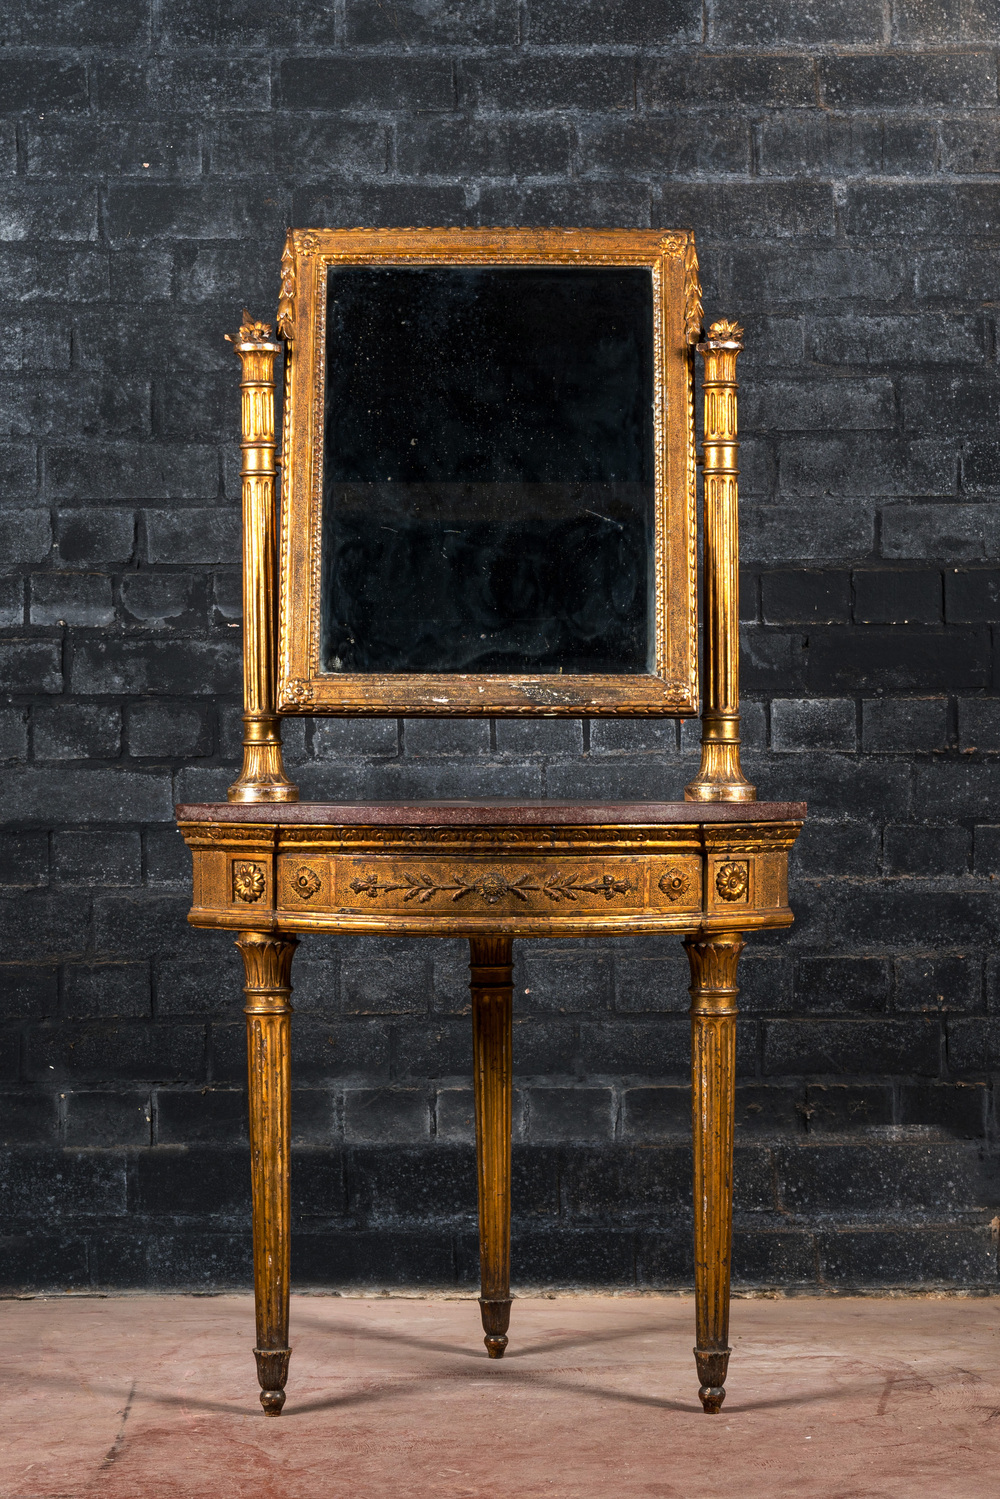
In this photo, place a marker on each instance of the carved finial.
(694, 314)
(252, 331)
(725, 332)
(286, 298)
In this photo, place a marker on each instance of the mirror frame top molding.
(671, 688)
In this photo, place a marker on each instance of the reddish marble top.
(492, 812)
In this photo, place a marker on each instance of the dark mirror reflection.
(488, 476)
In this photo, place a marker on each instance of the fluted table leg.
(267, 962)
(713, 992)
(492, 999)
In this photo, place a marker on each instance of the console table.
(492, 871)
(489, 508)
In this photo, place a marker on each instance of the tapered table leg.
(492, 998)
(267, 961)
(713, 992)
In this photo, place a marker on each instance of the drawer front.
(553, 885)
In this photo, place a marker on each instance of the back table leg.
(492, 996)
(713, 991)
(268, 963)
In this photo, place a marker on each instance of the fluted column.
(267, 962)
(713, 992)
(263, 777)
(492, 1041)
(720, 778)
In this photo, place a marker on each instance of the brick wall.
(838, 163)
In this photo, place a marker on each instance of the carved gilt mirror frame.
(303, 685)
(282, 580)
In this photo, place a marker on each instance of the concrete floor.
(156, 1398)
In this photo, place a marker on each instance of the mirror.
(488, 474)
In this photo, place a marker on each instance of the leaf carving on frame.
(286, 297)
(694, 313)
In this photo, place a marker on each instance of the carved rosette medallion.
(675, 885)
(306, 882)
(732, 880)
(491, 886)
(249, 882)
(299, 691)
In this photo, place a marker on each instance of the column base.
(712, 1365)
(496, 1320)
(272, 1372)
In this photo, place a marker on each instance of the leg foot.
(712, 1365)
(496, 1320)
(272, 1372)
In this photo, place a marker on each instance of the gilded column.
(492, 1045)
(713, 992)
(720, 778)
(267, 962)
(263, 777)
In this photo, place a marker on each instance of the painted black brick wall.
(839, 163)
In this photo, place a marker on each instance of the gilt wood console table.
(489, 507)
(492, 871)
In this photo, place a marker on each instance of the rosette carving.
(249, 882)
(306, 882)
(675, 885)
(732, 880)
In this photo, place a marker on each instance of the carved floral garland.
(491, 887)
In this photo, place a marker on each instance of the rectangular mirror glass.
(488, 473)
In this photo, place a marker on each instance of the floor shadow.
(141, 1393)
(871, 1386)
(393, 1389)
(516, 1350)
(374, 1335)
